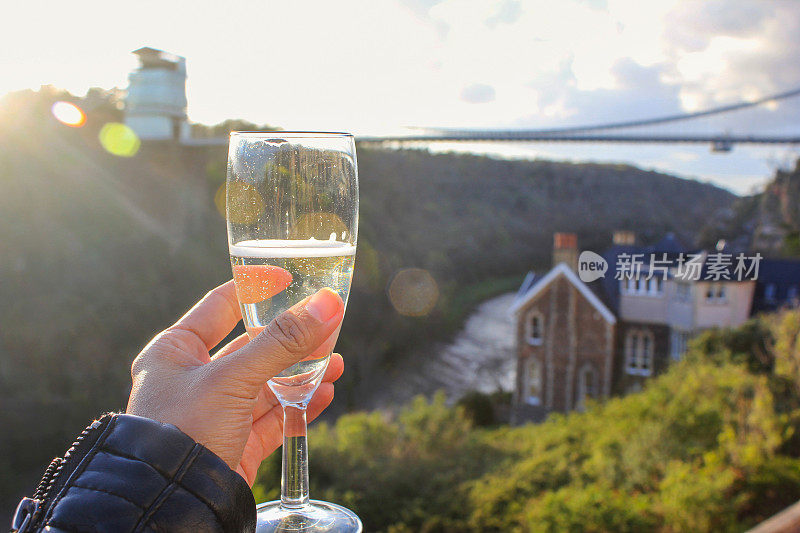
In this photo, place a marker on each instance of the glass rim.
(291, 134)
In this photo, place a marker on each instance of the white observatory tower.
(155, 107)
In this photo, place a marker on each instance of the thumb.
(291, 337)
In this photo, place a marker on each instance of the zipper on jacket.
(47, 478)
(55, 477)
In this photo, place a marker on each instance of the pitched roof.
(527, 283)
(669, 244)
(561, 270)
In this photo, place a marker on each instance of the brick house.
(566, 346)
(579, 340)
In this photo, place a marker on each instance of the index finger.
(213, 317)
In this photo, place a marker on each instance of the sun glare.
(119, 139)
(413, 292)
(69, 114)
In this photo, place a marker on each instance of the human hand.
(222, 401)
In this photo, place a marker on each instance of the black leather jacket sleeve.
(130, 474)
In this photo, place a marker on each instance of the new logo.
(591, 266)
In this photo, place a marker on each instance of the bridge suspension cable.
(720, 142)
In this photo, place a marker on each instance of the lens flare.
(119, 139)
(246, 203)
(219, 200)
(413, 292)
(68, 114)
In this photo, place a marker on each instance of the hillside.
(768, 222)
(98, 252)
(709, 446)
(470, 220)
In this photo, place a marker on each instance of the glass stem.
(294, 474)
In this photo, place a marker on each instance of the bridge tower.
(155, 106)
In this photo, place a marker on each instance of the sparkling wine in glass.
(292, 213)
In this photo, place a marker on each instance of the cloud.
(691, 26)
(508, 12)
(478, 93)
(638, 92)
(629, 63)
(726, 51)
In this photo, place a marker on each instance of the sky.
(379, 66)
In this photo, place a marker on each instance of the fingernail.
(324, 305)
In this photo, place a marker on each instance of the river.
(479, 358)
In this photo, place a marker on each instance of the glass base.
(316, 517)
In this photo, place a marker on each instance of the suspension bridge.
(630, 131)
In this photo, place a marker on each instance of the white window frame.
(529, 330)
(717, 293)
(678, 343)
(653, 286)
(627, 286)
(639, 352)
(532, 399)
(642, 286)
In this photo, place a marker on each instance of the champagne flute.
(292, 214)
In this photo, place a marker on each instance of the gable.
(562, 270)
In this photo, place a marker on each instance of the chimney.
(624, 238)
(565, 249)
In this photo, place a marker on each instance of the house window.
(715, 293)
(791, 296)
(533, 381)
(587, 386)
(678, 343)
(653, 286)
(628, 286)
(646, 353)
(683, 292)
(769, 292)
(639, 352)
(535, 329)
